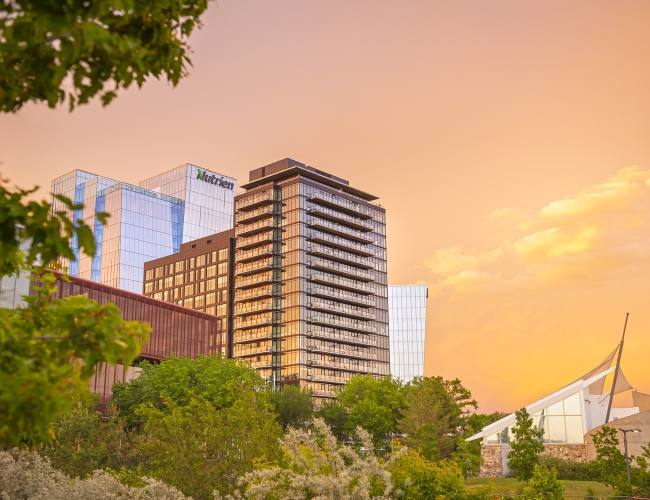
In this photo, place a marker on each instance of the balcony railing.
(255, 240)
(242, 350)
(343, 350)
(251, 215)
(255, 227)
(255, 279)
(332, 379)
(342, 204)
(255, 200)
(340, 217)
(342, 243)
(341, 336)
(253, 267)
(341, 295)
(345, 310)
(266, 361)
(339, 230)
(245, 308)
(255, 253)
(339, 282)
(252, 335)
(339, 322)
(253, 293)
(360, 367)
(246, 322)
(339, 255)
(342, 269)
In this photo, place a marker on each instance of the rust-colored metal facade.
(198, 277)
(175, 330)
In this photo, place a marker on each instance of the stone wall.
(568, 452)
(495, 456)
(492, 466)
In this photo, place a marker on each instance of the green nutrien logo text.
(213, 179)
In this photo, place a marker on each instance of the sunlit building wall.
(146, 222)
(407, 315)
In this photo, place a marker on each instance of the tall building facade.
(310, 289)
(407, 312)
(198, 277)
(147, 221)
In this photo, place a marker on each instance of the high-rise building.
(198, 277)
(147, 221)
(407, 313)
(310, 304)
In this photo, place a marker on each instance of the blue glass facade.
(407, 315)
(147, 221)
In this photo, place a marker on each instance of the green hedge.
(574, 471)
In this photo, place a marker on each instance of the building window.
(221, 310)
(222, 281)
(200, 261)
(189, 290)
(159, 272)
(169, 282)
(209, 298)
(223, 254)
(209, 310)
(210, 285)
(178, 267)
(199, 301)
(178, 279)
(148, 287)
(223, 295)
(188, 302)
(192, 263)
(212, 271)
(148, 275)
(223, 267)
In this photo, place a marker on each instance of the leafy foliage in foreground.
(26, 475)
(544, 485)
(526, 447)
(49, 349)
(98, 46)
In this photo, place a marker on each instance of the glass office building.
(310, 290)
(147, 221)
(407, 314)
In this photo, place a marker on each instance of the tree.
(49, 349)
(374, 418)
(316, 466)
(544, 485)
(609, 459)
(84, 442)
(199, 448)
(293, 405)
(443, 405)
(422, 479)
(641, 475)
(27, 475)
(526, 447)
(213, 378)
(96, 46)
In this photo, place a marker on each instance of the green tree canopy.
(293, 405)
(213, 378)
(609, 459)
(526, 447)
(544, 485)
(443, 406)
(49, 349)
(97, 46)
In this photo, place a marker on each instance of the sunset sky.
(509, 142)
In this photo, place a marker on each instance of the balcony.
(339, 255)
(342, 336)
(343, 350)
(343, 205)
(255, 253)
(338, 322)
(341, 218)
(341, 243)
(243, 350)
(253, 215)
(254, 280)
(246, 322)
(255, 227)
(246, 308)
(344, 310)
(253, 294)
(253, 267)
(339, 282)
(255, 200)
(338, 230)
(266, 361)
(256, 240)
(354, 367)
(330, 379)
(342, 269)
(252, 335)
(341, 296)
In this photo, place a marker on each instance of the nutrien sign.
(213, 179)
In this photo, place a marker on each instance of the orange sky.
(501, 136)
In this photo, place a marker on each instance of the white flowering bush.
(316, 467)
(28, 476)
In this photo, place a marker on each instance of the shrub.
(572, 471)
(544, 485)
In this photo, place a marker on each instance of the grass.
(573, 488)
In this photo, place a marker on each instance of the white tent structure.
(565, 415)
